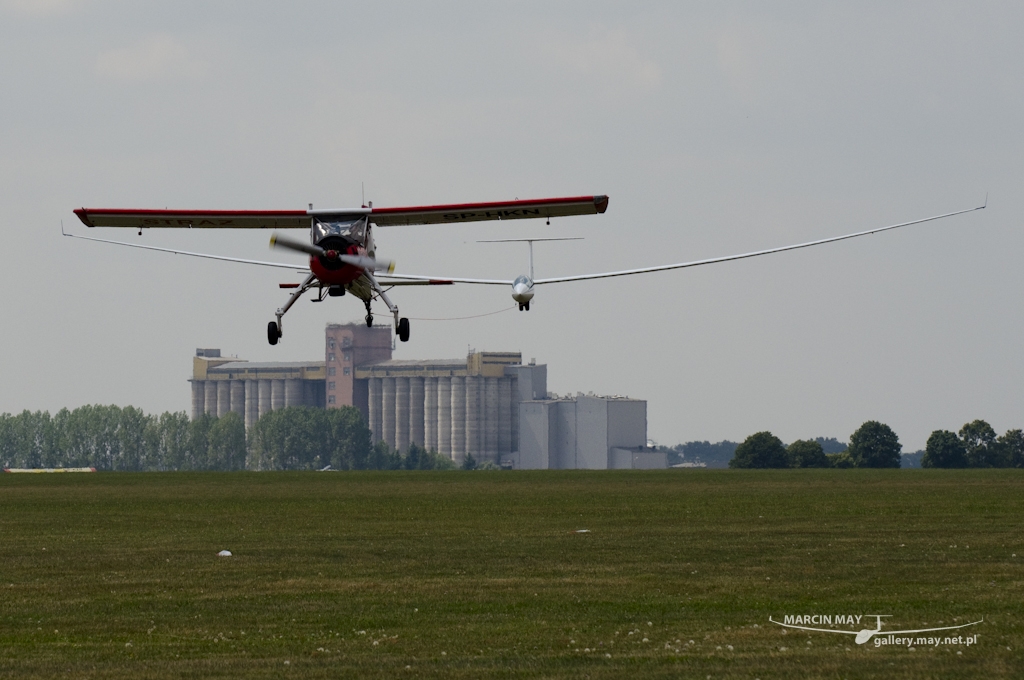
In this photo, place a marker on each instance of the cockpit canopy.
(351, 228)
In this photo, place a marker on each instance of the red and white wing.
(193, 219)
(384, 217)
(476, 212)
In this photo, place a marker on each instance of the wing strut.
(222, 258)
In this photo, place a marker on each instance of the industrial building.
(450, 406)
(251, 388)
(489, 404)
(585, 432)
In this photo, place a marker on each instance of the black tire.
(369, 320)
(527, 306)
(403, 329)
(273, 334)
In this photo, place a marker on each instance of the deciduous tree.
(1013, 447)
(804, 453)
(875, 445)
(944, 450)
(227, 443)
(981, 446)
(760, 450)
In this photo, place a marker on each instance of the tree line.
(127, 439)
(975, 445)
(875, 445)
(719, 454)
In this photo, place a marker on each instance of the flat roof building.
(251, 388)
(585, 432)
(489, 404)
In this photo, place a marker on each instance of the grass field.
(484, 574)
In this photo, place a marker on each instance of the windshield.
(353, 229)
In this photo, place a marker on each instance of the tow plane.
(343, 255)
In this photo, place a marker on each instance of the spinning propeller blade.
(360, 261)
(300, 246)
(369, 263)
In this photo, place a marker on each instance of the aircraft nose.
(522, 292)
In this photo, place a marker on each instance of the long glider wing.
(742, 256)
(223, 258)
(412, 279)
(383, 217)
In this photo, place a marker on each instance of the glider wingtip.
(601, 203)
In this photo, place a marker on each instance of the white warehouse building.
(585, 432)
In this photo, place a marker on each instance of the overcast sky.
(715, 128)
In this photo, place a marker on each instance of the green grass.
(483, 574)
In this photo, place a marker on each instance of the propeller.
(300, 246)
(361, 261)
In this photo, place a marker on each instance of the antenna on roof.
(362, 194)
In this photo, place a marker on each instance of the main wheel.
(527, 306)
(273, 333)
(403, 329)
(369, 320)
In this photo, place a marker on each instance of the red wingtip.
(83, 215)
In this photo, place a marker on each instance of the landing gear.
(275, 329)
(369, 314)
(336, 291)
(401, 324)
(524, 305)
